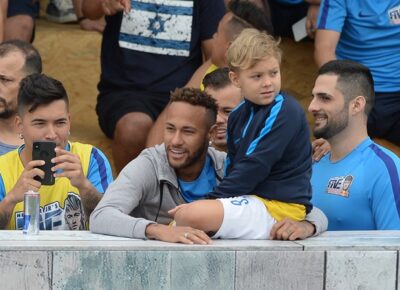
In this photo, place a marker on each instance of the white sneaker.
(61, 11)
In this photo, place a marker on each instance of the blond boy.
(269, 154)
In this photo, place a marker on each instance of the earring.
(21, 136)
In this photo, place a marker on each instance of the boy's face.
(221, 42)
(261, 83)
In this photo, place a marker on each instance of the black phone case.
(44, 150)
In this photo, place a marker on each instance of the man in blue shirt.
(357, 184)
(358, 176)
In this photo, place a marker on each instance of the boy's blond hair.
(250, 47)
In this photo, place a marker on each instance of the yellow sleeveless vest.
(60, 204)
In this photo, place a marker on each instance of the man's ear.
(234, 77)
(212, 131)
(357, 105)
(228, 44)
(18, 124)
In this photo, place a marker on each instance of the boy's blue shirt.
(269, 152)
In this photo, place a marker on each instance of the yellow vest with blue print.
(60, 204)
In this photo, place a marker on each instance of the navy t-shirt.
(156, 47)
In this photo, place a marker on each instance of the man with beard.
(181, 170)
(357, 184)
(17, 60)
(367, 32)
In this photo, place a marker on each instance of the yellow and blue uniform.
(95, 167)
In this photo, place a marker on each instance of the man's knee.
(19, 27)
(133, 127)
(206, 215)
(156, 133)
(189, 215)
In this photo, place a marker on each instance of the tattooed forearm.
(6, 209)
(4, 220)
(90, 199)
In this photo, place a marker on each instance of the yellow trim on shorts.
(280, 210)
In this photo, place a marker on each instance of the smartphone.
(44, 150)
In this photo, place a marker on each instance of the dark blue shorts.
(285, 15)
(384, 119)
(23, 7)
(114, 104)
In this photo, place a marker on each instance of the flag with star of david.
(158, 26)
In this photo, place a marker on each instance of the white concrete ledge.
(81, 260)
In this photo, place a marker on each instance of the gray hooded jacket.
(144, 192)
(146, 189)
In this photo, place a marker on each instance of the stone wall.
(81, 260)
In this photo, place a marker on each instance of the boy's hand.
(290, 230)
(320, 148)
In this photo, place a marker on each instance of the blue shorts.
(23, 7)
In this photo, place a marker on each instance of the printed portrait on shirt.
(74, 214)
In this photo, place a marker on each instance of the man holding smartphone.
(80, 170)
